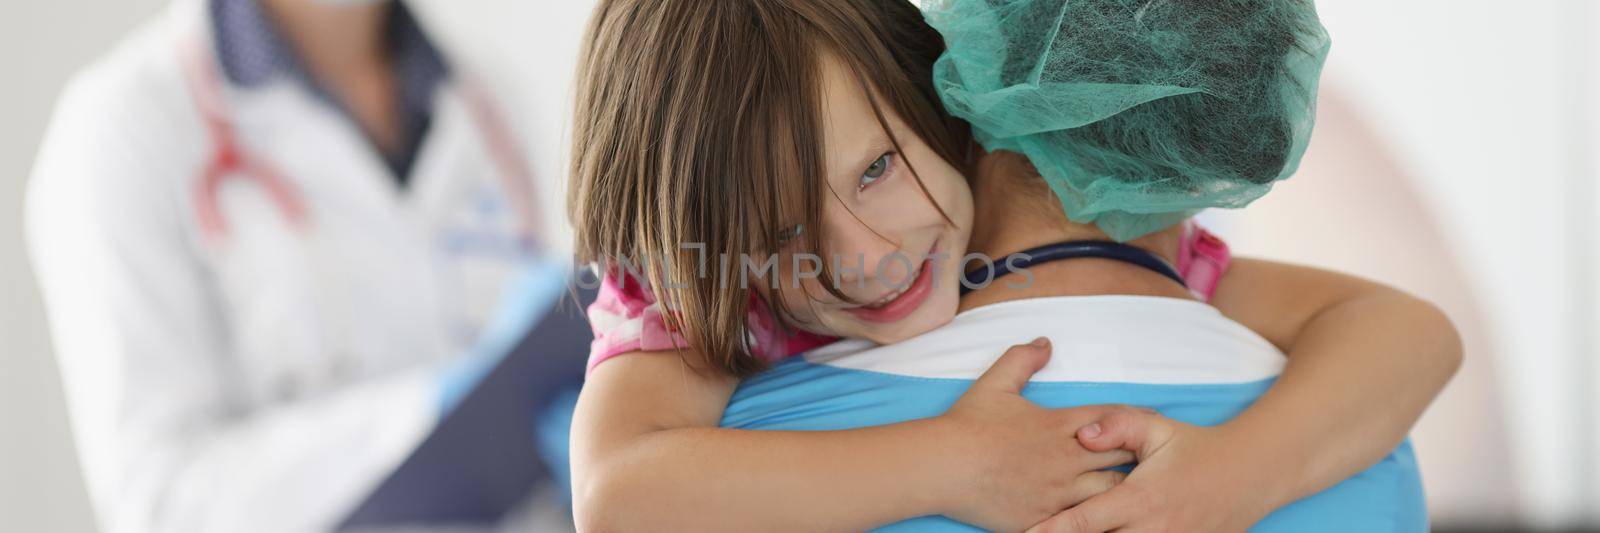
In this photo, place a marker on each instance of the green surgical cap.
(1139, 113)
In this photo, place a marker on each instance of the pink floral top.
(626, 316)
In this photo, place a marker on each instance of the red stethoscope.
(230, 159)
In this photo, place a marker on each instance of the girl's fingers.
(1106, 511)
(1089, 484)
(1012, 371)
(1126, 428)
(1104, 460)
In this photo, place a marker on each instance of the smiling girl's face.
(710, 133)
(894, 255)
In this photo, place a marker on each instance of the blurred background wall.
(41, 43)
(1455, 156)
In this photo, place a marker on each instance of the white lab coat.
(266, 383)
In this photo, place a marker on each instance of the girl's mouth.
(896, 306)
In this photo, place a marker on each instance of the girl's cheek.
(795, 298)
(806, 303)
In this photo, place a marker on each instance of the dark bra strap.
(983, 275)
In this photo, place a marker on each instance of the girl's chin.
(886, 337)
(924, 320)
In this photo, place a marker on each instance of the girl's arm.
(647, 455)
(1364, 361)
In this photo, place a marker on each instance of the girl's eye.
(789, 234)
(877, 170)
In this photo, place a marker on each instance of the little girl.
(760, 131)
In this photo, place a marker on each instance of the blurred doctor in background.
(267, 234)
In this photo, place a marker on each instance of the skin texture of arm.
(1365, 360)
(648, 456)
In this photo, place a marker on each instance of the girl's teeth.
(886, 299)
(896, 294)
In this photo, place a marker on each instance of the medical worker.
(266, 233)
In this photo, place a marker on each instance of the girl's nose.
(864, 262)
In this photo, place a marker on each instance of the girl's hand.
(1023, 462)
(1189, 478)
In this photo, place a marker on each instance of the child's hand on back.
(1022, 462)
(1190, 478)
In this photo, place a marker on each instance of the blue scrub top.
(801, 395)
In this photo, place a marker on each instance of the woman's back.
(1180, 357)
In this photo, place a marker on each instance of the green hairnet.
(1139, 113)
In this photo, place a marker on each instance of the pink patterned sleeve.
(1202, 260)
(626, 318)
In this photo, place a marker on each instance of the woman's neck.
(1018, 211)
(345, 48)
(333, 39)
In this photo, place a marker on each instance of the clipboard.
(482, 459)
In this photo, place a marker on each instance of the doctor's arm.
(1364, 361)
(168, 439)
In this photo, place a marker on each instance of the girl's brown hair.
(698, 123)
